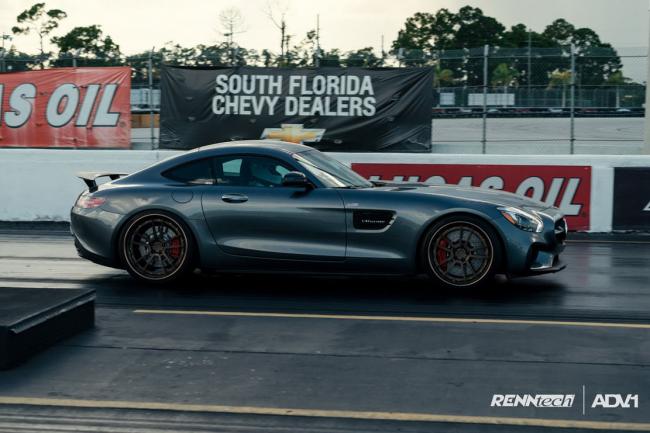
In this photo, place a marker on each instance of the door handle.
(234, 198)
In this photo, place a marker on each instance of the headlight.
(522, 219)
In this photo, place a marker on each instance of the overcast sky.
(138, 25)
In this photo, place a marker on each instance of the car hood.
(492, 196)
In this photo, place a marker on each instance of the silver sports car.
(270, 206)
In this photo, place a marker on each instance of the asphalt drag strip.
(267, 353)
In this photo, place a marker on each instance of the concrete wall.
(40, 184)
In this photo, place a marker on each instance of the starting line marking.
(395, 318)
(321, 413)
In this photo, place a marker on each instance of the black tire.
(157, 247)
(461, 252)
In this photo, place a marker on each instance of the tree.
(595, 60)
(504, 75)
(442, 77)
(560, 78)
(444, 30)
(364, 57)
(40, 21)
(90, 44)
(302, 54)
(617, 79)
(16, 61)
(331, 58)
(267, 58)
(469, 29)
(277, 14)
(232, 23)
(519, 37)
(474, 29)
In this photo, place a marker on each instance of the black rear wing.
(90, 178)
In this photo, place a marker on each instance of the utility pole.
(382, 49)
(283, 29)
(486, 53)
(572, 132)
(230, 33)
(5, 37)
(151, 115)
(646, 146)
(529, 75)
(317, 58)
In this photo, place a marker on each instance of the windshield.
(332, 173)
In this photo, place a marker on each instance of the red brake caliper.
(175, 248)
(441, 254)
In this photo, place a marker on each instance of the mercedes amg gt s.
(270, 206)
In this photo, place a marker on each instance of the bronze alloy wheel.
(460, 253)
(155, 247)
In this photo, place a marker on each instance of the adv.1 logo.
(611, 401)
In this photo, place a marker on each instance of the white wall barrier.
(40, 184)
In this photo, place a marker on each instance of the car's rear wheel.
(461, 252)
(156, 247)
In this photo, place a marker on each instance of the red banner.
(567, 187)
(66, 107)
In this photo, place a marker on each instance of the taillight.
(88, 202)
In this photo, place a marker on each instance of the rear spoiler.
(90, 178)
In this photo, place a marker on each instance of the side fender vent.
(372, 219)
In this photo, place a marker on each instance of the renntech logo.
(534, 400)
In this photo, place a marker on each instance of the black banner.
(333, 109)
(631, 198)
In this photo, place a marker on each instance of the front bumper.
(546, 263)
(535, 253)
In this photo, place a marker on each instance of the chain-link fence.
(486, 99)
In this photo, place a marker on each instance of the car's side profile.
(273, 206)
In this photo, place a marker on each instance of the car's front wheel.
(461, 252)
(156, 247)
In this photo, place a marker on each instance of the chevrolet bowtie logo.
(293, 133)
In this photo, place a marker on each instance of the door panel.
(277, 223)
(251, 214)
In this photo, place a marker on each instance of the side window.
(227, 171)
(254, 171)
(232, 167)
(195, 172)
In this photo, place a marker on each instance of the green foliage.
(425, 34)
(364, 58)
(443, 77)
(444, 30)
(90, 40)
(504, 75)
(17, 61)
(89, 45)
(38, 20)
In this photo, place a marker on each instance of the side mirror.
(295, 179)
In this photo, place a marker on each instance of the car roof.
(283, 146)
